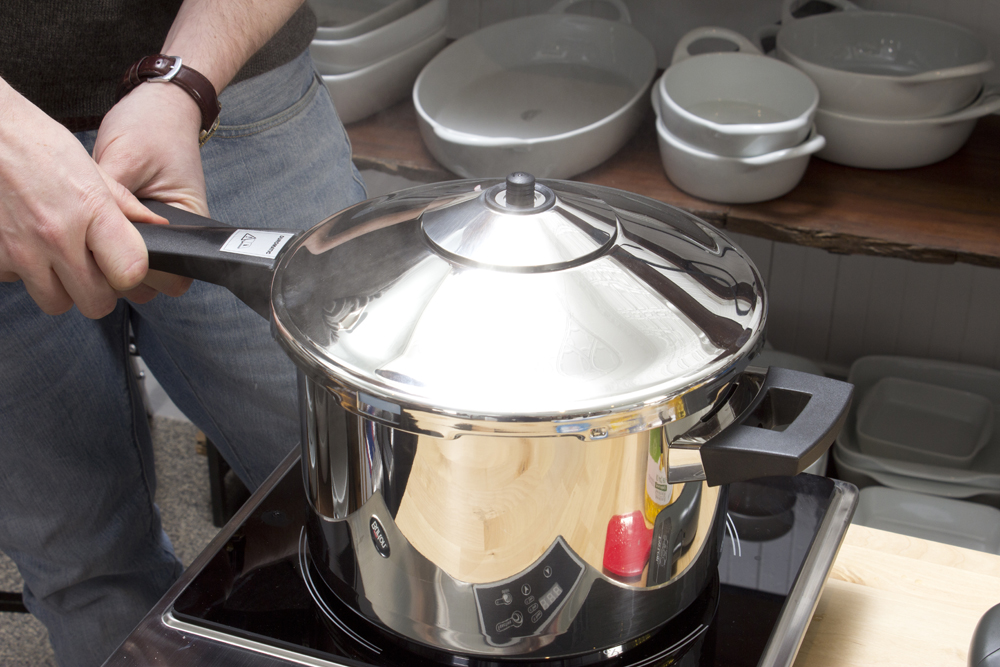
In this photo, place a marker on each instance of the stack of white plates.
(922, 426)
(369, 52)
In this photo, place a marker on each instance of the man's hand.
(64, 221)
(148, 142)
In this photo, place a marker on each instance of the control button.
(515, 621)
(521, 606)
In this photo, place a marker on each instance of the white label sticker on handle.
(256, 243)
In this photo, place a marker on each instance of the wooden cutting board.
(897, 600)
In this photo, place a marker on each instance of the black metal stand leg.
(227, 491)
(12, 602)
(217, 469)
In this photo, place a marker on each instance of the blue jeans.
(76, 465)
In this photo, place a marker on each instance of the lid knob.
(520, 190)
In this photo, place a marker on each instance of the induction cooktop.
(254, 598)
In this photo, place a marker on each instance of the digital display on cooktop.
(260, 587)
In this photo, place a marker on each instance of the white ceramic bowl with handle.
(734, 180)
(880, 143)
(734, 104)
(340, 56)
(884, 64)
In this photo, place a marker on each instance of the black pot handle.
(792, 420)
(673, 531)
(240, 259)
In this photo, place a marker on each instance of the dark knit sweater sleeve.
(67, 57)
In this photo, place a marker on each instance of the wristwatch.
(169, 69)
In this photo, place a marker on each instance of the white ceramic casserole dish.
(884, 64)
(880, 143)
(552, 94)
(363, 92)
(734, 180)
(346, 55)
(735, 104)
(923, 422)
(342, 19)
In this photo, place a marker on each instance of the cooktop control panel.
(524, 604)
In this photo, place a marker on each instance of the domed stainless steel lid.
(515, 307)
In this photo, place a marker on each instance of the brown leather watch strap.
(169, 69)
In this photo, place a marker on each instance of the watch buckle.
(174, 69)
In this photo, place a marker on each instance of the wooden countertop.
(896, 600)
(946, 212)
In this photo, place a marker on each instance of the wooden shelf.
(946, 212)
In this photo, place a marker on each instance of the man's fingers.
(118, 249)
(129, 204)
(167, 283)
(86, 284)
(155, 283)
(140, 294)
(48, 292)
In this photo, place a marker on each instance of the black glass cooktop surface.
(260, 593)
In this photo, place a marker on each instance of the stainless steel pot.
(522, 404)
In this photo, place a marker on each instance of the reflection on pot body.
(476, 516)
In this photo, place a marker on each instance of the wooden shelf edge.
(414, 172)
(939, 214)
(847, 244)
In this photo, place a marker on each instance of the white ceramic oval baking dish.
(551, 94)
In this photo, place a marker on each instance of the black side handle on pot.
(192, 246)
(792, 420)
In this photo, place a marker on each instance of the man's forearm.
(216, 37)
